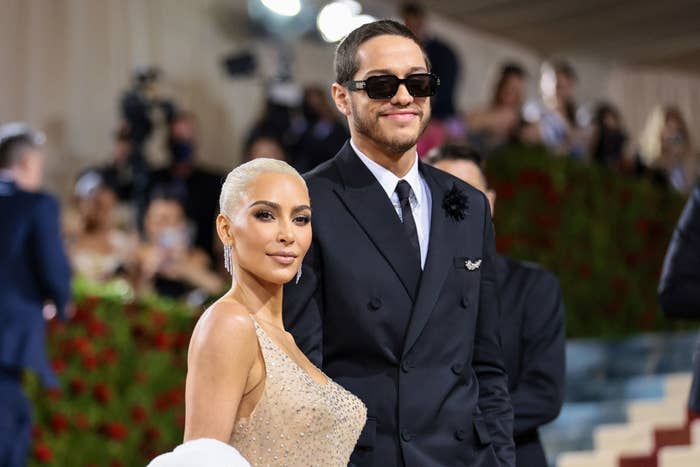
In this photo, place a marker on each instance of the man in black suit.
(679, 289)
(397, 300)
(33, 270)
(532, 325)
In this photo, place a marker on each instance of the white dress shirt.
(421, 199)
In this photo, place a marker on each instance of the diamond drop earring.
(227, 259)
(298, 275)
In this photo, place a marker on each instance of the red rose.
(58, 365)
(152, 433)
(42, 453)
(115, 431)
(82, 345)
(54, 394)
(182, 339)
(81, 422)
(90, 362)
(109, 356)
(162, 341)
(96, 328)
(102, 393)
(138, 331)
(138, 414)
(77, 386)
(158, 318)
(59, 422)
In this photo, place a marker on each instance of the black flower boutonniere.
(455, 203)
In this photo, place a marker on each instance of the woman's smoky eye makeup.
(302, 219)
(264, 215)
(267, 215)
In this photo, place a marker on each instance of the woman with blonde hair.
(248, 384)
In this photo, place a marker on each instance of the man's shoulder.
(323, 177)
(533, 273)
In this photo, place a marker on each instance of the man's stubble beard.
(369, 129)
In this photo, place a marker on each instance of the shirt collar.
(388, 180)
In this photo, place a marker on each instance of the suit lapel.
(437, 264)
(371, 207)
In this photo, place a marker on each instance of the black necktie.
(403, 189)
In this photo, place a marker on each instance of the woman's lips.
(283, 259)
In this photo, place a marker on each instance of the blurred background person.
(166, 261)
(533, 334)
(556, 120)
(33, 270)
(444, 125)
(443, 60)
(679, 287)
(98, 250)
(609, 139)
(498, 124)
(324, 134)
(196, 187)
(264, 146)
(118, 173)
(667, 149)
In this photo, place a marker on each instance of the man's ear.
(341, 97)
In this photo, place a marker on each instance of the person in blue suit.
(34, 270)
(533, 336)
(679, 288)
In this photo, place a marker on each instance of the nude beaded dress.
(298, 421)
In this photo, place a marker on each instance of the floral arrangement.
(122, 366)
(603, 234)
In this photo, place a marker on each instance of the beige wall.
(65, 62)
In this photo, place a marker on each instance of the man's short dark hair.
(12, 148)
(345, 62)
(456, 152)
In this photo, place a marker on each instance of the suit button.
(374, 304)
(457, 368)
(406, 435)
(406, 366)
(460, 435)
(464, 302)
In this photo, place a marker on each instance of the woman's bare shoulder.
(225, 328)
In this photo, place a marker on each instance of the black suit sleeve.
(679, 288)
(539, 395)
(52, 268)
(303, 307)
(494, 400)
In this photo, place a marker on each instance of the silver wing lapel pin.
(472, 265)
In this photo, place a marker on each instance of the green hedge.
(603, 234)
(122, 367)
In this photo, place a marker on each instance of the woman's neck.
(263, 299)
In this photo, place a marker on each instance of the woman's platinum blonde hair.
(240, 178)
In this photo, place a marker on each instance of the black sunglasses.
(386, 86)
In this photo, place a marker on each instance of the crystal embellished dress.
(298, 421)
